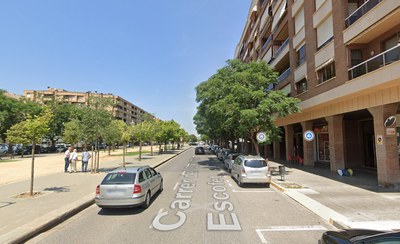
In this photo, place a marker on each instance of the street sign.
(261, 136)
(309, 135)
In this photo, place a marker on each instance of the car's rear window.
(234, 157)
(255, 163)
(120, 178)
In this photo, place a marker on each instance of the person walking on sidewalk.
(85, 160)
(72, 161)
(66, 159)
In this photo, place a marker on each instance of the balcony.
(361, 11)
(280, 49)
(283, 76)
(368, 23)
(376, 62)
(267, 42)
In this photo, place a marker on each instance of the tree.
(63, 113)
(31, 130)
(169, 132)
(235, 103)
(95, 118)
(112, 134)
(192, 138)
(13, 111)
(73, 132)
(124, 133)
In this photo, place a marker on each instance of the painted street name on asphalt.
(225, 220)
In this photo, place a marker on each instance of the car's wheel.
(146, 203)
(161, 187)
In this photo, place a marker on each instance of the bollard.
(282, 172)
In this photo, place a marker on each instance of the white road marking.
(266, 191)
(288, 228)
(160, 211)
(176, 185)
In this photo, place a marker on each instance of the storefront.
(322, 136)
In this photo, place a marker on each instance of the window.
(299, 20)
(325, 32)
(356, 57)
(301, 86)
(141, 177)
(148, 173)
(326, 73)
(301, 55)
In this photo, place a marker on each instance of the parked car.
(128, 187)
(251, 169)
(229, 159)
(3, 149)
(199, 150)
(359, 236)
(25, 150)
(222, 153)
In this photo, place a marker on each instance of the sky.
(151, 53)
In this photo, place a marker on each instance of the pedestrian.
(85, 159)
(72, 161)
(66, 159)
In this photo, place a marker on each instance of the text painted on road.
(223, 207)
(165, 220)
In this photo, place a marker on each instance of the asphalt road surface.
(200, 203)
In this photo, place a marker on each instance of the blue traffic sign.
(309, 135)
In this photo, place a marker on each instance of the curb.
(46, 222)
(54, 218)
(321, 210)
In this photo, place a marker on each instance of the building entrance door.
(369, 150)
(323, 147)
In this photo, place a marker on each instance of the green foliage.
(234, 102)
(30, 130)
(112, 133)
(13, 111)
(73, 132)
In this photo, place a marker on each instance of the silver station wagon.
(251, 169)
(129, 187)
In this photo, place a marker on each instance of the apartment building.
(341, 58)
(122, 110)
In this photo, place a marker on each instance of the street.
(200, 203)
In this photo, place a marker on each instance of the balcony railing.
(281, 47)
(267, 42)
(375, 62)
(283, 76)
(363, 9)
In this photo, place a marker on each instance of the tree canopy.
(235, 102)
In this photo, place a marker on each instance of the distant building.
(123, 109)
(341, 58)
(12, 95)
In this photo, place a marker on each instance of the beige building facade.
(342, 60)
(122, 110)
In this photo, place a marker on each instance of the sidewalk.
(345, 202)
(62, 194)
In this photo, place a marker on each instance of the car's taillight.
(243, 171)
(98, 190)
(137, 189)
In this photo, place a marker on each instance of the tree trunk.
(151, 147)
(140, 149)
(255, 144)
(123, 155)
(32, 168)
